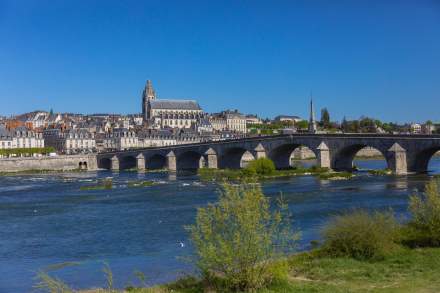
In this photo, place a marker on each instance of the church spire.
(312, 122)
(149, 93)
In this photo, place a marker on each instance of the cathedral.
(161, 113)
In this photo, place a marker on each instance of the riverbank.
(408, 270)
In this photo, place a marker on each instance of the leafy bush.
(238, 240)
(262, 166)
(424, 227)
(361, 235)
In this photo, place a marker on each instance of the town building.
(288, 118)
(20, 138)
(253, 120)
(229, 120)
(161, 113)
(73, 141)
(120, 139)
(415, 128)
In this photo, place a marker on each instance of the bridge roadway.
(403, 153)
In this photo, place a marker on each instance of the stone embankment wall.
(49, 163)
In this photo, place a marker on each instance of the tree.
(303, 124)
(238, 240)
(344, 125)
(325, 118)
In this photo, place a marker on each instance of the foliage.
(26, 151)
(262, 166)
(424, 227)
(250, 174)
(51, 284)
(325, 118)
(335, 175)
(272, 126)
(238, 239)
(47, 283)
(303, 124)
(361, 235)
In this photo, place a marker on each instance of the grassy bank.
(408, 270)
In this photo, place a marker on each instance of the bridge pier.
(259, 152)
(114, 163)
(171, 163)
(211, 159)
(397, 162)
(202, 162)
(140, 162)
(323, 156)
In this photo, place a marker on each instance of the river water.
(47, 220)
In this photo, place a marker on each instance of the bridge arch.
(343, 159)
(156, 161)
(282, 155)
(423, 158)
(189, 160)
(235, 158)
(127, 162)
(105, 163)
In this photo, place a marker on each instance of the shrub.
(239, 240)
(262, 166)
(424, 227)
(361, 235)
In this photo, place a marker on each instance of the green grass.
(408, 270)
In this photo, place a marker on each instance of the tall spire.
(149, 93)
(312, 122)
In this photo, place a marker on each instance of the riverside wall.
(56, 163)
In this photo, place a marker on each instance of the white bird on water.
(182, 244)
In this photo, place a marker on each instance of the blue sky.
(373, 58)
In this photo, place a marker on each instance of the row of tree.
(26, 151)
(362, 125)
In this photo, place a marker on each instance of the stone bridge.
(403, 153)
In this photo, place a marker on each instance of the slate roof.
(175, 105)
(4, 132)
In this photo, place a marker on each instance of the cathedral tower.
(147, 95)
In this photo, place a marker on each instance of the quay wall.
(61, 163)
